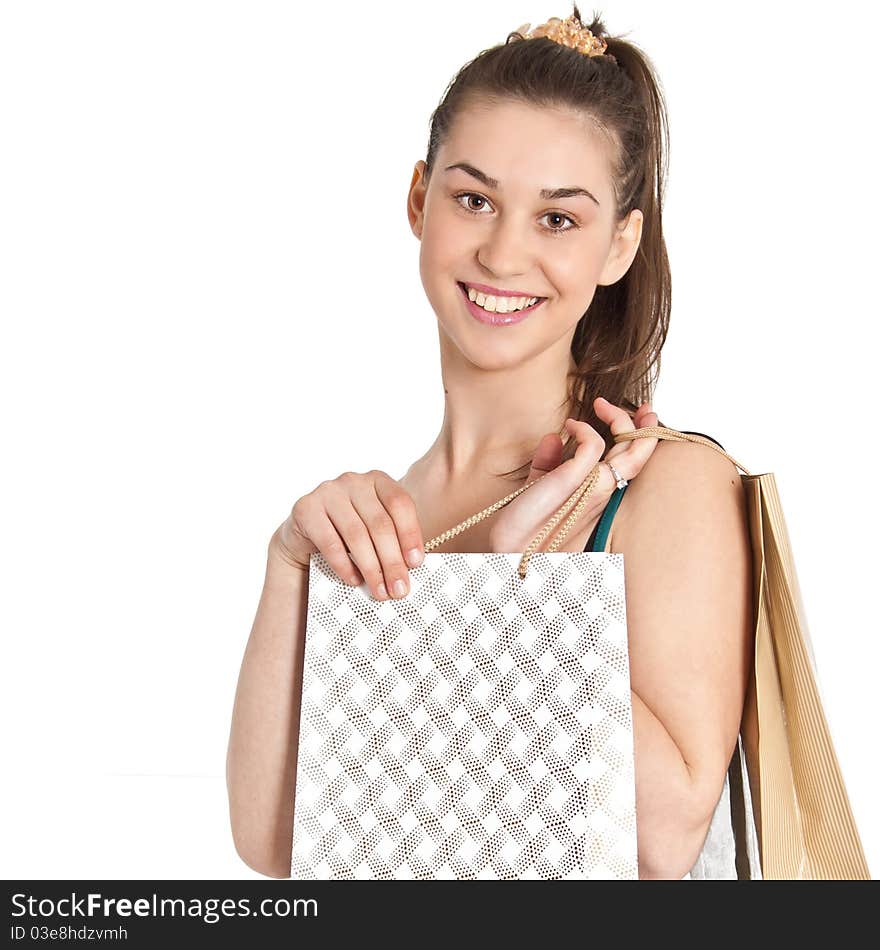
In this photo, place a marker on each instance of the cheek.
(440, 241)
(578, 265)
(439, 260)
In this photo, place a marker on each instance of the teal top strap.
(599, 536)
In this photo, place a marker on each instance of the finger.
(313, 522)
(645, 417)
(562, 480)
(383, 535)
(571, 473)
(629, 457)
(527, 514)
(649, 418)
(643, 411)
(356, 536)
(548, 455)
(400, 505)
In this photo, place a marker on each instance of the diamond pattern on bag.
(479, 728)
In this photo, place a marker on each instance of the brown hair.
(617, 342)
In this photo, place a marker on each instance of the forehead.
(527, 148)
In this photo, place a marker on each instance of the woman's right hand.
(363, 524)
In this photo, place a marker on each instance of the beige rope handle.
(577, 499)
(673, 435)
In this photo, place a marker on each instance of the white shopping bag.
(479, 728)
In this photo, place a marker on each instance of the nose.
(504, 251)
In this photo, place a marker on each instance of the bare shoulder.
(680, 480)
(677, 469)
(687, 564)
(686, 493)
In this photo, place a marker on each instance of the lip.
(497, 319)
(495, 292)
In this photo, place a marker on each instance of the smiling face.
(506, 217)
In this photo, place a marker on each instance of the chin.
(489, 354)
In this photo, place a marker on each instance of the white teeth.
(500, 304)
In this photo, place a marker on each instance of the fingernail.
(414, 557)
(381, 591)
(399, 587)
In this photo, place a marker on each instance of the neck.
(494, 419)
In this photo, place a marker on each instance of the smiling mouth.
(466, 291)
(494, 318)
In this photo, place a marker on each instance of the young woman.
(538, 208)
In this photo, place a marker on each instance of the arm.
(687, 564)
(362, 544)
(262, 754)
(672, 823)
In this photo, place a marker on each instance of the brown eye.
(467, 195)
(573, 225)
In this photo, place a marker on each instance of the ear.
(415, 199)
(623, 249)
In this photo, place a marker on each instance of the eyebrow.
(549, 194)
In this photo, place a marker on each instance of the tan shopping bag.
(805, 826)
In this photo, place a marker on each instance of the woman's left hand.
(518, 522)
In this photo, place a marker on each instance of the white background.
(211, 302)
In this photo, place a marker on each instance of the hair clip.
(568, 32)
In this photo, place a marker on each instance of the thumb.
(547, 456)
